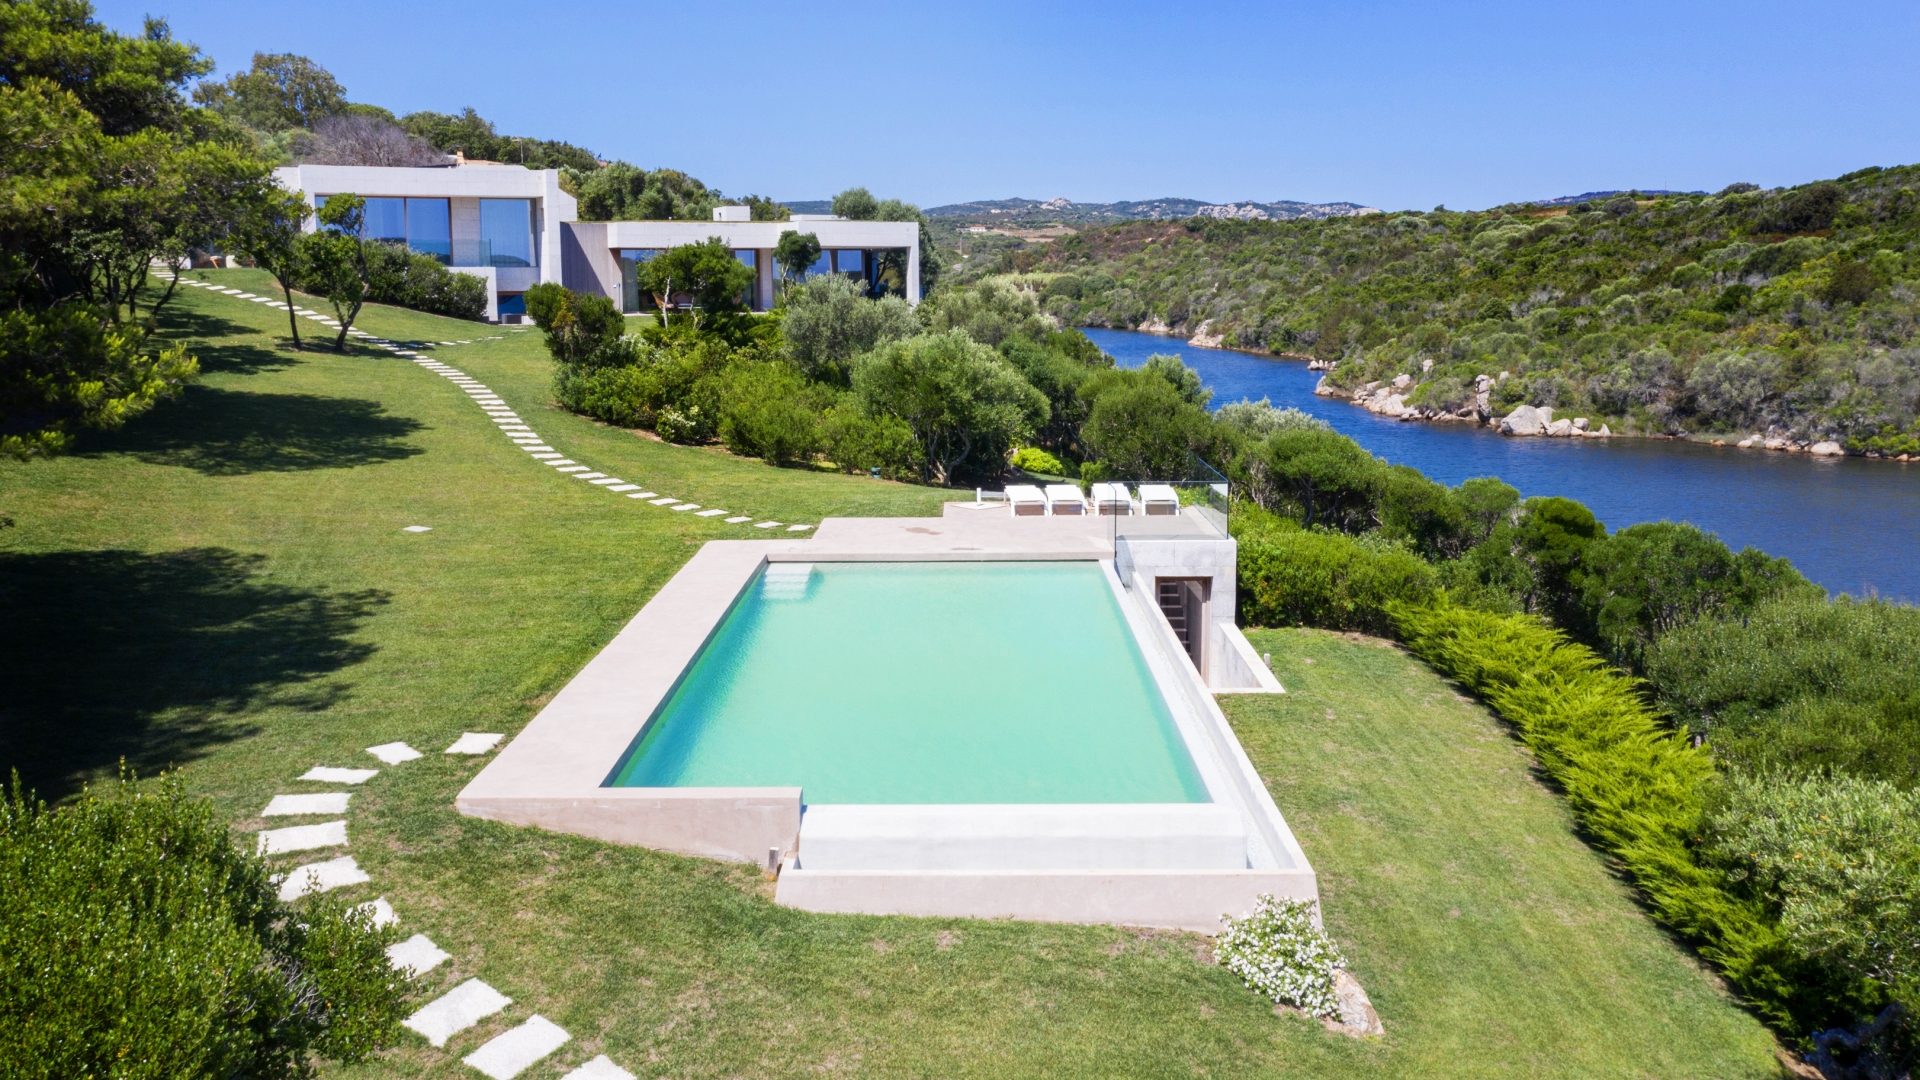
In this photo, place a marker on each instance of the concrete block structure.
(514, 227)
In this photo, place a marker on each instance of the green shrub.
(623, 396)
(1280, 953)
(1837, 861)
(1638, 789)
(1290, 576)
(767, 410)
(1032, 459)
(857, 442)
(1801, 683)
(136, 941)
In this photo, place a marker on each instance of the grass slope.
(224, 585)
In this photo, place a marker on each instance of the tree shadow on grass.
(157, 658)
(233, 432)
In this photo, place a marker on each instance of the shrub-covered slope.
(1793, 310)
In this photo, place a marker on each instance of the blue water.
(1850, 524)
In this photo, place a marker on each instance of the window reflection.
(506, 232)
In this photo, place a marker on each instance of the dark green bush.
(1637, 788)
(857, 442)
(137, 941)
(1291, 576)
(768, 410)
(420, 282)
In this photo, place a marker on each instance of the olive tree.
(965, 404)
(334, 260)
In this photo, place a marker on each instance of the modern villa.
(514, 227)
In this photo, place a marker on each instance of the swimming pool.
(921, 683)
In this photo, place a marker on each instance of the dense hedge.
(1638, 788)
(411, 280)
(1291, 576)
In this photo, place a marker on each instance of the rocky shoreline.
(1389, 398)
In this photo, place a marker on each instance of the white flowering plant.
(1281, 953)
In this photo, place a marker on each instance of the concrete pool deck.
(1180, 868)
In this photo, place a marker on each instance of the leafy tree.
(1140, 427)
(706, 274)
(857, 442)
(989, 313)
(138, 940)
(1423, 513)
(1647, 579)
(856, 204)
(473, 135)
(763, 208)
(581, 329)
(1259, 419)
(796, 252)
(269, 234)
(1486, 502)
(829, 320)
(333, 260)
(1551, 540)
(1059, 366)
(770, 411)
(279, 91)
(1320, 477)
(1184, 380)
(965, 404)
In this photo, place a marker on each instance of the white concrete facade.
(463, 186)
(585, 255)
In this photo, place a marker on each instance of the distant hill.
(1068, 212)
(1593, 196)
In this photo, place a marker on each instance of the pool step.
(1171, 836)
(786, 581)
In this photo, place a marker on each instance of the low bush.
(137, 941)
(623, 396)
(1291, 576)
(1032, 459)
(1639, 789)
(1282, 955)
(420, 282)
(857, 442)
(769, 411)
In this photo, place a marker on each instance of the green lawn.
(224, 585)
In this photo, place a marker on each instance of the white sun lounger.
(1111, 500)
(1065, 500)
(1027, 500)
(1159, 499)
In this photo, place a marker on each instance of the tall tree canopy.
(280, 90)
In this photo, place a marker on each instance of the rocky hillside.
(1035, 212)
(1790, 314)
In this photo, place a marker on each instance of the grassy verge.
(224, 585)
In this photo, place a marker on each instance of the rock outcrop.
(1828, 448)
(1526, 420)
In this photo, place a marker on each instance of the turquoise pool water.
(922, 683)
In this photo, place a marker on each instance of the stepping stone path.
(393, 753)
(303, 837)
(418, 528)
(326, 802)
(378, 911)
(327, 774)
(509, 1053)
(456, 1010)
(473, 388)
(415, 956)
(475, 742)
(321, 877)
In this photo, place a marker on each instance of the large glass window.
(506, 232)
(750, 259)
(430, 228)
(850, 263)
(513, 304)
(632, 297)
(386, 220)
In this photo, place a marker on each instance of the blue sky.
(1391, 104)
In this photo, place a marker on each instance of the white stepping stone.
(378, 912)
(600, 1068)
(738, 520)
(415, 956)
(446, 343)
(393, 753)
(325, 802)
(321, 877)
(798, 528)
(607, 480)
(563, 461)
(545, 453)
(665, 501)
(624, 487)
(766, 524)
(418, 528)
(643, 495)
(457, 1010)
(541, 454)
(710, 513)
(328, 774)
(303, 837)
(475, 742)
(589, 475)
(512, 1052)
(570, 468)
(684, 507)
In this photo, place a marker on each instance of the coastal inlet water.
(1850, 524)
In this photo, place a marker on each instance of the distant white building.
(514, 227)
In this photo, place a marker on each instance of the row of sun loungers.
(1066, 500)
